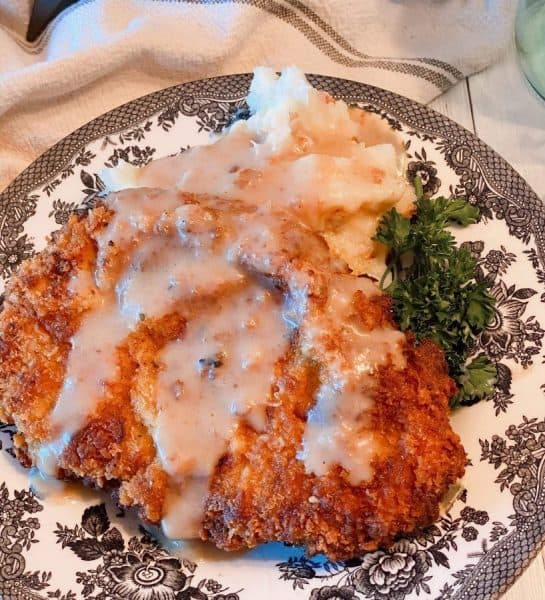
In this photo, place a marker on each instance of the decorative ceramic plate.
(80, 546)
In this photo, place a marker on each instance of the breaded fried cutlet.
(303, 416)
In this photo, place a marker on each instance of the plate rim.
(54, 159)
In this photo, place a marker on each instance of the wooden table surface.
(500, 107)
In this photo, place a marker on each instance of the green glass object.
(530, 37)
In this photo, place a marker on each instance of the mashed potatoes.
(337, 167)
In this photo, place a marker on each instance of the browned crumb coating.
(260, 491)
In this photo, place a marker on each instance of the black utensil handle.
(43, 12)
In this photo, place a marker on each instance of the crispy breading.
(259, 491)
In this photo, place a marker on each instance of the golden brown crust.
(40, 315)
(37, 321)
(260, 491)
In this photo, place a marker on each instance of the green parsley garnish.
(430, 280)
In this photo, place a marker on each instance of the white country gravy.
(338, 429)
(252, 268)
(220, 371)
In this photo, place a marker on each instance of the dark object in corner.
(43, 12)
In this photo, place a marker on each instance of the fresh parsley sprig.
(430, 280)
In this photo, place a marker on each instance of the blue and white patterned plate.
(81, 546)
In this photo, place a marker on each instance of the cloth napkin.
(98, 54)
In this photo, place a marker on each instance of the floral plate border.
(476, 550)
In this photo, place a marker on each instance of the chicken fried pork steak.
(216, 363)
(205, 343)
